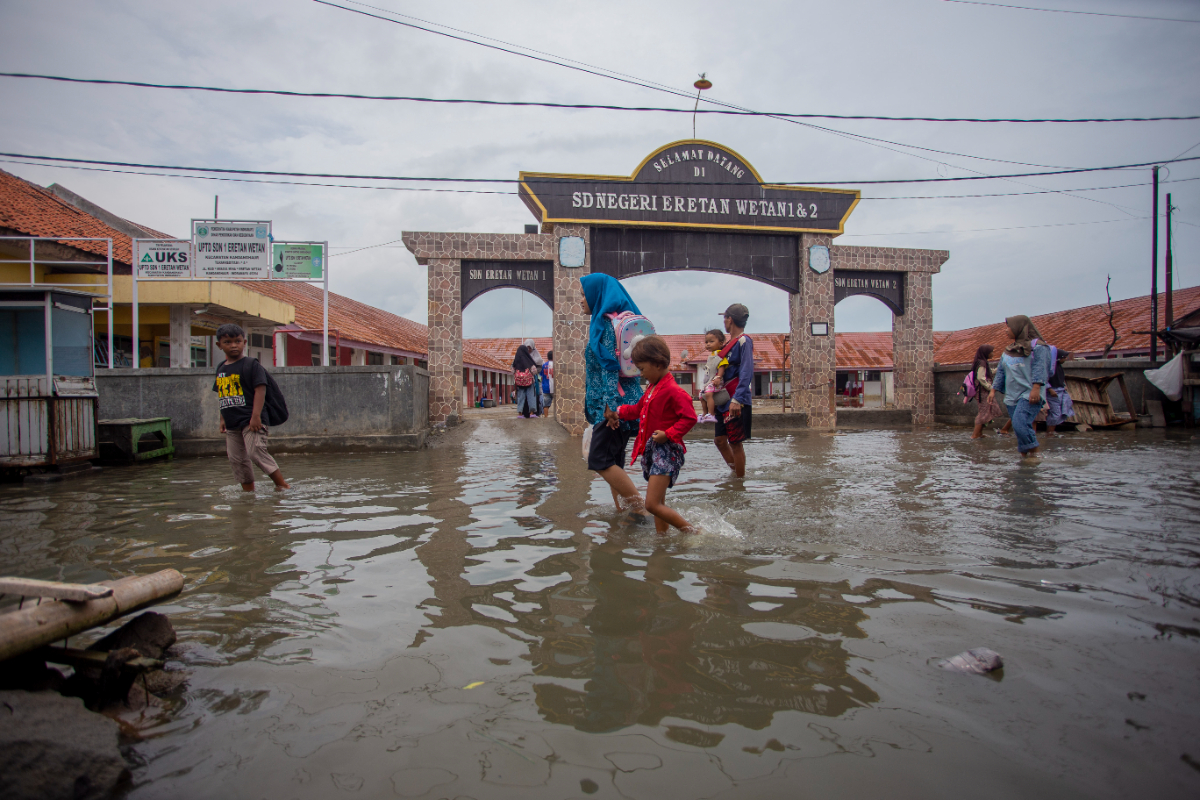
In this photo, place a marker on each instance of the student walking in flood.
(664, 414)
(524, 377)
(989, 409)
(1023, 371)
(606, 389)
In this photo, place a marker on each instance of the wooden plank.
(72, 592)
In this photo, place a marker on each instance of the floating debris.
(977, 661)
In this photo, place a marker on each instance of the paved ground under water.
(475, 620)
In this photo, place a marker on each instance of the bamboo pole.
(31, 628)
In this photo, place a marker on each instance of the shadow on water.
(477, 619)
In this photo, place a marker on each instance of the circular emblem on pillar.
(571, 251)
(818, 259)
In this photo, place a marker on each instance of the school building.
(177, 319)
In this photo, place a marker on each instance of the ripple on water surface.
(478, 620)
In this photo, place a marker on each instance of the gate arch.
(689, 205)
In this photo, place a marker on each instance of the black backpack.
(275, 405)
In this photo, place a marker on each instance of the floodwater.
(474, 620)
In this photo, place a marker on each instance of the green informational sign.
(298, 261)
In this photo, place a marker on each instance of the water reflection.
(485, 598)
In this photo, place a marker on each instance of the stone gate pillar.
(570, 333)
(445, 341)
(912, 348)
(814, 359)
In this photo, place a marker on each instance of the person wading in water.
(733, 419)
(606, 390)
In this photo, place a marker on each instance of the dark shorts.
(662, 459)
(736, 428)
(608, 447)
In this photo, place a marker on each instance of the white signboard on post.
(158, 259)
(231, 249)
(303, 261)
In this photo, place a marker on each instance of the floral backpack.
(630, 329)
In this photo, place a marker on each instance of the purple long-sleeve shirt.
(741, 364)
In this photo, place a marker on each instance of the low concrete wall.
(329, 408)
(950, 409)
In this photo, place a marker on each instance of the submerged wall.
(330, 408)
(950, 409)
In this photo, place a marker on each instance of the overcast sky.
(1019, 254)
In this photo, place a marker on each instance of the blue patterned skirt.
(662, 459)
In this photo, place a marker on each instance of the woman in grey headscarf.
(537, 381)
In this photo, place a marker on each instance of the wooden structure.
(47, 381)
(125, 439)
(1093, 406)
(32, 626)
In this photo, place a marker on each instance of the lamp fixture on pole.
(700, 85)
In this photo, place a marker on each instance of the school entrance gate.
(691, 205)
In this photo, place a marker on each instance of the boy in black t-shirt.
(241, 385)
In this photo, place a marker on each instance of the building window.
(422, 363)
(374, 359)
(399, 361)
(199, 357)
(316, 355)
(262, 340)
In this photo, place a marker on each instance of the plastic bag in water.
(1168, 377)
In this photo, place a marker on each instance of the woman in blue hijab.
(603, 296)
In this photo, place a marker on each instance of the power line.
(345, 176)
(513, 194)
(1013, 228)
(1065, 11)
(577, 106)
(600, 72)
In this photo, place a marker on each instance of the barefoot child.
(243, 422)
(714, 373)
(664, 415)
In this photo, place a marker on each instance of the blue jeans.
(1023, 414)
(527, 400)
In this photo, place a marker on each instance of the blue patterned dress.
(601, 385)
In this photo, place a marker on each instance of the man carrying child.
(244, 422)
(734, 416)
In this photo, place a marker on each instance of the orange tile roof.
(360, 323)
(34, 211)
(1080, 331)
(505, 350)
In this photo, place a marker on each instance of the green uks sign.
(298, 261)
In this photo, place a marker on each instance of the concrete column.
(358, 357)
(181, 335)
(445, 341)
(281, 356)
(814, 359)
(570, 334)
(912, 348)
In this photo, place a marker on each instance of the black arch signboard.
(536, 277)
(689, 184)
(886, 286)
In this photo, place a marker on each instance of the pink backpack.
(630, 329)
(969, 389)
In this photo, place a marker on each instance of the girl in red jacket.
(664, 415)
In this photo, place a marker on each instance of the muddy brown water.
(474, 620)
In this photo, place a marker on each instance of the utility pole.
(217, 204)
(1154, 278)
(1170, 279)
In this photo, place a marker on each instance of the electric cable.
(347, 176)
(1067, 11)
(577, 106)
(513, 194)
(872, 140)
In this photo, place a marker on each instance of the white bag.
(1168, 377)
(587, 442)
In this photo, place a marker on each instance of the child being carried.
(714, 374)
